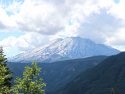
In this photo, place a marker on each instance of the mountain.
(100, 79)
(58, 73)
(68, 48)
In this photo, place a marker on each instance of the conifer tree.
(3, 89)
(6, 73)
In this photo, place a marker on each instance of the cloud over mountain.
(101, 21)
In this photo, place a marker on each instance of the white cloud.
(6, 23)
(99, 27)
(118, 38)
(25, 42)
(7, 42)
(72, 30)
(41, 18)
(6, 49)
(3, 18)
(102, 21)
(49, 17)
(14, 7)
(118, 10)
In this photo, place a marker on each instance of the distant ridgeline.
(57, 74)
(64, 49)
(100, 79)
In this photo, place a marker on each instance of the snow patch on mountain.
(72, 47)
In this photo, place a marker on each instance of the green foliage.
(3, 88)
(5, 75)
(27, 85)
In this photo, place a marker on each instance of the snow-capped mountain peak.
(71, 47)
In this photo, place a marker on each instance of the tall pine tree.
(8, 74)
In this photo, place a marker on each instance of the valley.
(57, 74)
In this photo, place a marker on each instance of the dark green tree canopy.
(4, 71)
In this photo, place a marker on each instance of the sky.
(27, 24)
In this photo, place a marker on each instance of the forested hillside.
(57, 74)
(99, 79)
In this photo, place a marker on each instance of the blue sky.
(8, 2)
(26, 24)
(116, 1)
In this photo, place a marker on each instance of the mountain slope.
(71, 47)
(99, 79)
(58, 73)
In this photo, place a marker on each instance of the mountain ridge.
(100, 79)
(71, 47)
(59, 73)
